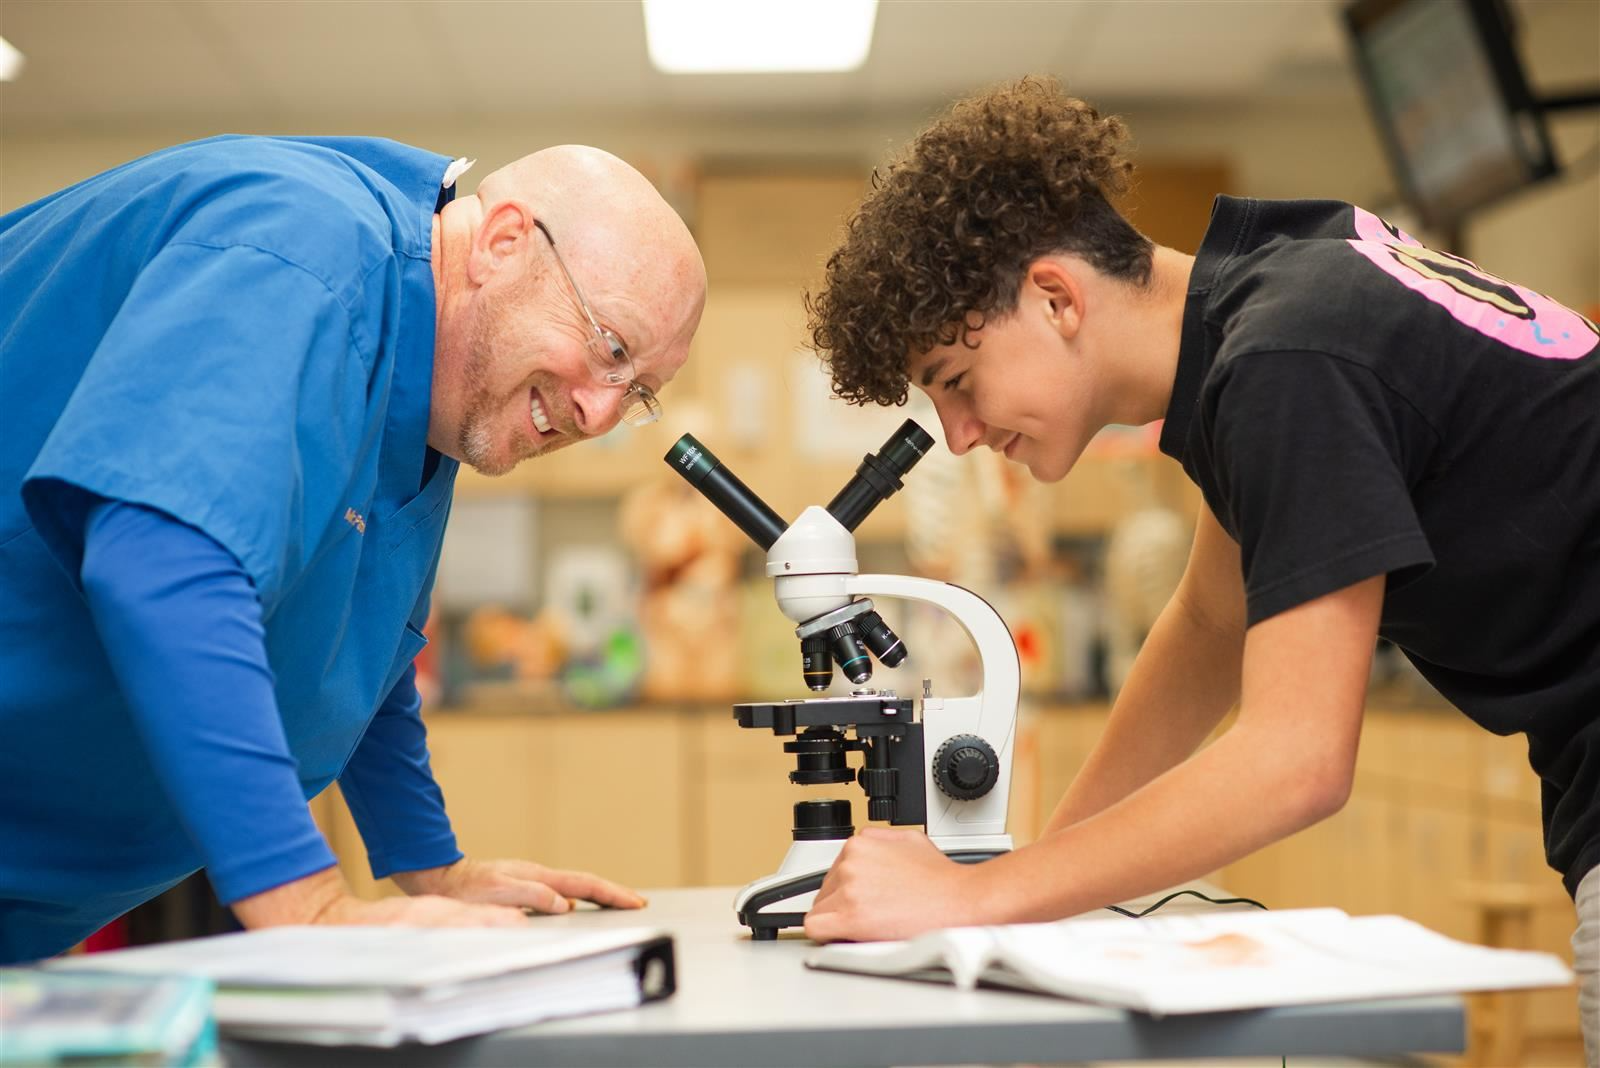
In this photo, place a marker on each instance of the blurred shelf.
(1096, 493)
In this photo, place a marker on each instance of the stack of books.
(382, 986)
(48, 1018)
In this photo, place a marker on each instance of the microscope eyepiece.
(879, 475)
(733, 498)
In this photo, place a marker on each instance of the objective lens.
(816, 665)
(851, 655)
(884, 643)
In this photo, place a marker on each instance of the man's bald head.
(614, 227)
(508, 321)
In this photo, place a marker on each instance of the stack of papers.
(381, 986)
(1206, 963)
(107, 1019)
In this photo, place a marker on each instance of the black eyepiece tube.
(878, 477)
(733, 498)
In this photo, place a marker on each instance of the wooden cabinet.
(743, 820)
(602, 792)
(654, 797)
(680, 796)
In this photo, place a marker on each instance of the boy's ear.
(1055, 289)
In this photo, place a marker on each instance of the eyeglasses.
(608, 357)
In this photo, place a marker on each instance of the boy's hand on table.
(519, 884)
(891, 884)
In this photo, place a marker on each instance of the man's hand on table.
(325, 898)
(468, 893)
(893, 883)
(520, 884)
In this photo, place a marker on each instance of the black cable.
(1179, 893)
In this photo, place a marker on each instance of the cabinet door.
(495, 772)
(747, 802)
(1441, 852)
(1065, 737)
(488, 767)
(1516, 858)
(1366, 872)
(619, 782)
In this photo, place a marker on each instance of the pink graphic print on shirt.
(1514, 316)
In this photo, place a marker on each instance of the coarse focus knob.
(965, 767)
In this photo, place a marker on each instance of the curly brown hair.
(941, 244)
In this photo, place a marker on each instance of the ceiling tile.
(334, 62)
(100, 60)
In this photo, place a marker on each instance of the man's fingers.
(497, 916)
(433, 911)
(525, 885)
(521, 894)
(543, 898)
(582, 884)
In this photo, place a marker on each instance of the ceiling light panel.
(744, 37)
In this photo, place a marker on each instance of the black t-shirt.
(1352, 404)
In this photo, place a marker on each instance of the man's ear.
(500, 241)
(1055, 289)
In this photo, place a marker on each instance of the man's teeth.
(541, 421)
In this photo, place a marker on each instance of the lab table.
(752, 1004)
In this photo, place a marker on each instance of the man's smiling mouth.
(541, 418)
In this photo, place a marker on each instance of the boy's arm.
(1182, 683)
(1285, 764)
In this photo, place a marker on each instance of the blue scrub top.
(239, 333)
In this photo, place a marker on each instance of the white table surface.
(746, 1003)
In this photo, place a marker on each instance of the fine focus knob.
(965, 767)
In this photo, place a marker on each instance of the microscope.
(942, 763)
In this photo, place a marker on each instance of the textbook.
(48, 1018)
(381, 986)
(1191, 963)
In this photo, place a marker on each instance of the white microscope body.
(944, 762)
(813, 566)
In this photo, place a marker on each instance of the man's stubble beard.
(476, 439)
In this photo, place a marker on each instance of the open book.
(380, 986)
(1206, 962)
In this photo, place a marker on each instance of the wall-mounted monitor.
(1460, 124)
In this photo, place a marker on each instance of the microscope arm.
(991, 713)
(997, 652)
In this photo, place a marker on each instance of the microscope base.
(765, 926)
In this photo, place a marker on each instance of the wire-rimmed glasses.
(608, 356)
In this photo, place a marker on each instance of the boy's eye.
(955, 380)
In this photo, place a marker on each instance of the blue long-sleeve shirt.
(235, 334)
(182, 628)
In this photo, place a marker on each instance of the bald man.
(239, 376)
